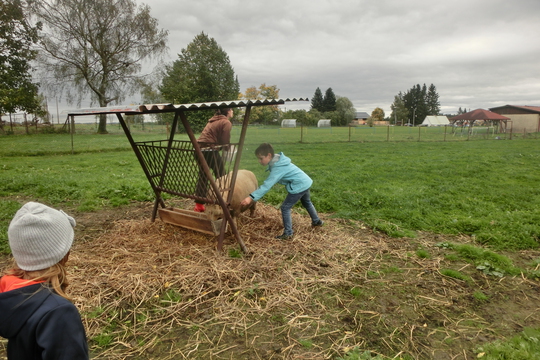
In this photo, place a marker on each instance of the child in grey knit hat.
(36, 315)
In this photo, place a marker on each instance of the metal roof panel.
(159, 108)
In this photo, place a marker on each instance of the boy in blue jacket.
(297, 183)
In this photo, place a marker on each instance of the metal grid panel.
(176, 170)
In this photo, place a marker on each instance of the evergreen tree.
(329, 101)
(432, 101)
(203, 72)
(415, 102)
(317, 100)
(400, 113)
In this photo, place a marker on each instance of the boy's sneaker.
(318, 223)
(199, 207)
(284, 237)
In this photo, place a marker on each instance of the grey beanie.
(40, 236)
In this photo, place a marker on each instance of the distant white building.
(324, 123)
(435, 120)
(288, 123)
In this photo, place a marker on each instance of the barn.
(360, 118)
(523, 118)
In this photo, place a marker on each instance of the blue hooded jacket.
(284, 172)
(40, 324)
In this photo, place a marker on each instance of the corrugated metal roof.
(161, 108)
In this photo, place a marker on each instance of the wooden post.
(72, 131)
(444, 139)
(208, 173)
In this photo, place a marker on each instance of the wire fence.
(379, 133)
(300, 134)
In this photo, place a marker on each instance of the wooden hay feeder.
(177, 167)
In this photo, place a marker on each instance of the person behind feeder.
(216, 132)
(297, 183)
(36, 315)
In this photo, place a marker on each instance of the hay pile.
(156, 291)
(160, 284)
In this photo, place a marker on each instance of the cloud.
(478, 53)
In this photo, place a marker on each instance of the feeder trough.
(190, 220)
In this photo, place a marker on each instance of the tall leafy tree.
(329, 100)
(262, 114)
(377, 114)
(317, 100)
(98, 46)
(202, 72)
(432, 101)
(345, 111)
(400, 113)
(18, 37)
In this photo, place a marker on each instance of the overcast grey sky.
(478, 53)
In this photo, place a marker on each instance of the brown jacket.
(216, 131)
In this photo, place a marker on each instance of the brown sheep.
(245, 184)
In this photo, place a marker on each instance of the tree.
(18, 37)
(202, 72)
(98, 46)
(345, 111)
(329, 101)
(415, 102)
(420, 102)
(317, 101)
(400, 113)
(432, 101)
(377, 114)
(303, 117)
(262, 114)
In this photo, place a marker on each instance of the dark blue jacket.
(40, 324)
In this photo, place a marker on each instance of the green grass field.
(486, 189)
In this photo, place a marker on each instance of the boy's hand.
(246, 201)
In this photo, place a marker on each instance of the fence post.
(301, 133)
(444, 139)
(72, 131)
(388, 134)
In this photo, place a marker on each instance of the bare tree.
(97, 47)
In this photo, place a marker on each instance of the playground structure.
(175, 166)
